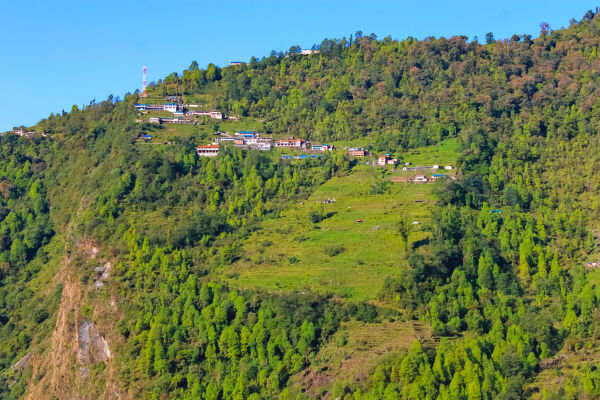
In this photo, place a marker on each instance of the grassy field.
(338, 255)
(446, 153)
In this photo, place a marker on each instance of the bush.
(40, 316)
(333, 251)
(364, 312)
(342, 340)
(315, 217)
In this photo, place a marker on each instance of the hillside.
(132, 267)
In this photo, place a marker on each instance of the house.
(322, 147)
(306, 52)
(420, 179)
(150, 107)
(286, 157)
(448, 167)
(435, 167)
(178, 114)
(224, 139)
(154, 120)
(290, 143)
(264, 146)
(210, 150)
(358, 153)
(237, 63)
(386, 159)
(170, 107)
(437, 176)
(212, 114)
(147, 137)
(496, 212)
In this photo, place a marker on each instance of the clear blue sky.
(56, 54)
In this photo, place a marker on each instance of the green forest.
(145, 242)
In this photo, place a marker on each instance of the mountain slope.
(139, 270)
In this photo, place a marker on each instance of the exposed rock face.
(92, 346)
(64, 370)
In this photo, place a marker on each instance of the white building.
(170, 107)
(290, 143)
(210, 150)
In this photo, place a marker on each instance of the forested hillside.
(126, 268)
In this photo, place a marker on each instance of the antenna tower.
(144, 82)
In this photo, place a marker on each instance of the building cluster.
(253, 141)
(593, 264)
(432, 178)
(22, 132)
(179, 112)
(246, 139)
(386, 159)
(170, 107)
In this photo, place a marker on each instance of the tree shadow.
(420, 243)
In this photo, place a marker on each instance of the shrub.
(333, 251)
(40, 316)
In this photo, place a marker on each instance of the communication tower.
(144, 94)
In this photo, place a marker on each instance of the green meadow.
(349, 253)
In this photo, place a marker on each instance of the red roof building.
(210, 150)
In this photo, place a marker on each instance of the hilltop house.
(210, 150)
(420, 179)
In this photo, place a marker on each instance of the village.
(174, 111)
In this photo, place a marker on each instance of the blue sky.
(56, 54)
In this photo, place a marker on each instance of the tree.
(403, 228)
(489, 38)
